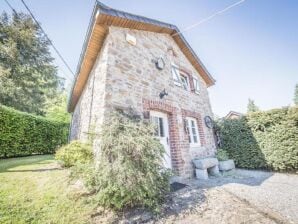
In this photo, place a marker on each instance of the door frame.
(174, 137)
(166, 141)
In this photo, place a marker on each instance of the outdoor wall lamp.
(162, 94)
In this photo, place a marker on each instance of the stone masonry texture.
(125, 75)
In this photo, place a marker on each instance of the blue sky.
(251, 50)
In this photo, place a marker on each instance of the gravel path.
(241, 196)
(275, 194)
(219, 207)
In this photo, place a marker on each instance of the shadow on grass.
(10, 163)
(33, 170)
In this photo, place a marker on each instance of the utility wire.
(56, 50)
(9, 5)
(65, 74)
(208, 18)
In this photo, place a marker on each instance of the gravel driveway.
(272, 194)
(240, 196)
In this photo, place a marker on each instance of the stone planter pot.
(226, 165)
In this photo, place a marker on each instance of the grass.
(35, 190)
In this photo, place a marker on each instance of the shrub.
(23, 134)
(222, 155)
(73, 153)
(263, 139)
(129, 171)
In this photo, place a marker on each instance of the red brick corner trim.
(171, 111)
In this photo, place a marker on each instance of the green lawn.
(35, 190)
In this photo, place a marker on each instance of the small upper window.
(176, 76)
(184, 81)
(180, 78)
(196, 85)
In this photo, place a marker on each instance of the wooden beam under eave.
(94, 45)
(98, 34)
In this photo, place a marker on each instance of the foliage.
(86, 172)
(73, 153)
(222, 155)
(129, 171)
(263, 139)
(296, 95)
(56, 108)
(22, 134)
(251, 106)
(28, 194)
(27, 74)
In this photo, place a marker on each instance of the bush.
(23, 134)
(263, 139)
(222, 155)
(73, 153)
(129, 171)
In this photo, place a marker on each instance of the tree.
(296, 95)
(27, 74)
(251, 107)
(56, 108)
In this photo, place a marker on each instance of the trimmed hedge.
(266, 140)
(23, 134)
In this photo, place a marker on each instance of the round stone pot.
(226, 165)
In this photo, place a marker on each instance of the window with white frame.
(176, 75)
(184, 81)
(192, 130)
(159, 126)
(196, 85)
(180, 78)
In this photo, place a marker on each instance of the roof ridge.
(118, 13)
(101, 8)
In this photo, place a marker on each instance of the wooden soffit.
(96, 36)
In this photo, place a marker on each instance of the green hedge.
(263, 139)
(22, 134)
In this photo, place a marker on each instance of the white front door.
(160, 120)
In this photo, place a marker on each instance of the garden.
(128, 182)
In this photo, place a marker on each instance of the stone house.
(132, 61)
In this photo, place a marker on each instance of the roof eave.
(100, 8)
(84, 48)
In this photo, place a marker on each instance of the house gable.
(103, 17)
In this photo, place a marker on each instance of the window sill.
(187, 90)
(195, 146)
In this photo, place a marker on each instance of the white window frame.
(159, 126)
(196, 85)
(193, 131)
(177, 75)
(184, 76)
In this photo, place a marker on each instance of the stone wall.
(125, 75)
(133, 79)
(89, 111)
